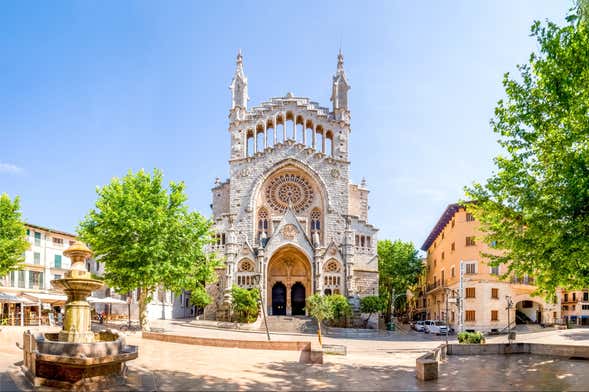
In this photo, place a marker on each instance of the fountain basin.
(48, 361)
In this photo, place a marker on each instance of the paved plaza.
(383, 363)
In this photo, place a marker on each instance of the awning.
(13, 299)
(106, 300)
(46, 298)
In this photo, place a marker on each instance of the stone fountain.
(75, 356)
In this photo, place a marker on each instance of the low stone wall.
(557, 350)
(229, 325)
(309, 353)
(426, 366)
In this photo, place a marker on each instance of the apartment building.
(31, 285)
(453, 249)
(575, 306)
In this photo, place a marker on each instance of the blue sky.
(89, 90)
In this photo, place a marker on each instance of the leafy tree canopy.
(245, 303)
(147, 238)
(399, 268)
(535, 207)
(13, 243)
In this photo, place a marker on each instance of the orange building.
(452, 242)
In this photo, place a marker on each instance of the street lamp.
(509, 306)
(257, 278)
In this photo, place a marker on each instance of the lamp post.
(257, 280)
(509, 306)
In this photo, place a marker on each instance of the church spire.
(238, 85)
(339, 90)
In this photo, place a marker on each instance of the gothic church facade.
(288, 220)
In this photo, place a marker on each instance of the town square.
(194, 197)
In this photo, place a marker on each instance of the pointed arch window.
(315, 220)
(263, 227)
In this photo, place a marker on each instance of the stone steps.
(292, 324)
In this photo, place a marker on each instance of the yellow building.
(452, 243)
(575, 306)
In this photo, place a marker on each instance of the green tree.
(147, 238)
(399, 268)
(13, 243)
(535, 207)
(371, 304)
(320, 307)
(341, 308)
(199, 297)
(245, 303)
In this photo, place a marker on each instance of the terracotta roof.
(50, 230)
(442, 222)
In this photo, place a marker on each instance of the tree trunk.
(143, 300)
(319, 332)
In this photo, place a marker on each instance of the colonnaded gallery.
(289, 213)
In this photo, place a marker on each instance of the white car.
(419, 326)
(435, 326)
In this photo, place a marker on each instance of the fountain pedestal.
(75, 356)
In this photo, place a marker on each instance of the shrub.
(370, 304)
(471, 338)
(245, 304)
(341, 308)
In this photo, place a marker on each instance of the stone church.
(288, 220)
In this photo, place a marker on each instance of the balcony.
(438, 285)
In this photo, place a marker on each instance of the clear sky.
(91, 89)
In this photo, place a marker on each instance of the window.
(263, 225)
(37, 258)
(35, 280)
(443, 278)
(357, 240)
(470, 292)
(495, 293)
(566, 297)
(453, 247)
(57, 241)
(72, 242)
(453, 222)
(470, 315)
(495, 270)
(57, 261)
(574, 297)
(573, 307)
(443, 255)
(21, 279)
(12, 279)
(565, 307)
(452, 317)
(469, 217)
(452, 272)
(470, 241)
(586, 296)
(37, 238)
(315, 221)
(435, 263)
(443, 235)
(56, 276)
(585, 307)
(494, 315)
(470, 268)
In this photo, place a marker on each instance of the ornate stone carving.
(334, 173)
(289, 189)
(289, 232)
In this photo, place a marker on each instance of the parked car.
(418, 326)
(435, 326)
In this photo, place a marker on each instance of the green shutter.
(57, 261)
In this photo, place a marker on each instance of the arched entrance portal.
(297, 295)
(528, 312)
(279, 299)
(289, 268)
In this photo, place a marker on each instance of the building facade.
(575, 306)
(453, 243)
(288, 212)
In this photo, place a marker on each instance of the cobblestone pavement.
(382, 364)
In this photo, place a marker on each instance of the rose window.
(289, 189)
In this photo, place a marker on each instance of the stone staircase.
(292, 324)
